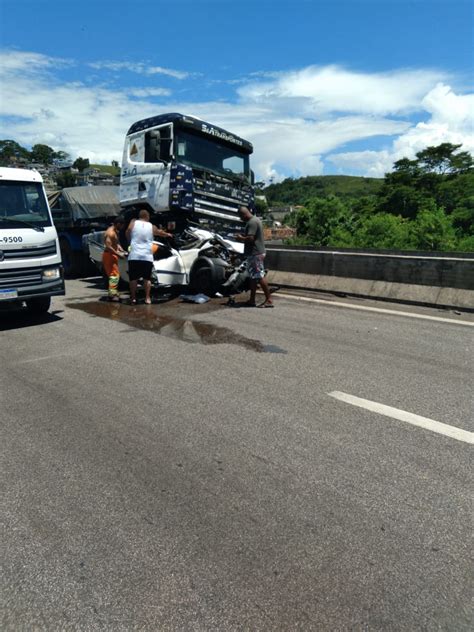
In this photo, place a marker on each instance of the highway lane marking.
(402, 415)
(379, 310)
(50, 357)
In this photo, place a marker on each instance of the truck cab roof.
(20, 175)
(192, 122)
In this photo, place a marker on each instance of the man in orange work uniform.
(112, 252)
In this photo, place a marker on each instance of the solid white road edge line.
(410, 418)
(380, 310)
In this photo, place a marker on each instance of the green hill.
(297, 191)
(114, 171)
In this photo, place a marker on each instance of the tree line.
(423, 204)
(12, 152)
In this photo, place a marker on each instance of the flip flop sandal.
(266, 305)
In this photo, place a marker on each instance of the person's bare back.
(111, 240)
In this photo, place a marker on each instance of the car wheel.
(202, 280)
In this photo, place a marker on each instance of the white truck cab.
(30, 258)
(180, 168)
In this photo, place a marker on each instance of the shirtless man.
(112, 252)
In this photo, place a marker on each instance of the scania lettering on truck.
(30, 259)
(183, 168)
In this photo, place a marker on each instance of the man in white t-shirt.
(140, 233)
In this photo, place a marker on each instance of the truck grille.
(219, 201)
(24, 253)
(20, 277)
(210, 205)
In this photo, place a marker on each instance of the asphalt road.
(187, 467)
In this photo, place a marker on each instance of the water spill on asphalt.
(151, 318)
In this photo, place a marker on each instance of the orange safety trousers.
(111, 269)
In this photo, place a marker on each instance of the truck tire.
(69, 258)
(75, 263)
(39, 305)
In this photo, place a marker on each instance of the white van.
(30, 259)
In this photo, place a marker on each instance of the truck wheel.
(39, 305)
(68, 257)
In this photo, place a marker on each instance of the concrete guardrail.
(440, 279)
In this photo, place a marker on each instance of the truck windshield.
(211, 155)
(23, 202)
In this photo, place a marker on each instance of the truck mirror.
(158, 146)
(152, 146)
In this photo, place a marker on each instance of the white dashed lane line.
(410, 418)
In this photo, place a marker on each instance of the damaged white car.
(196, 259)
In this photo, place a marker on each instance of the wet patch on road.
(162, 320)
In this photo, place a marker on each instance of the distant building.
(89, 177)
(63, 164)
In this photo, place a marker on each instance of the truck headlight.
(51, 273)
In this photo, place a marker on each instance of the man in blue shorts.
(254, 250)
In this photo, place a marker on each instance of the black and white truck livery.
(187, 169)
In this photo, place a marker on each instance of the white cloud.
(335, 89)
(25, 62)
(297, 120)
(373, 164)
(450, 120)
(298, 145)
(138, 67)
(148, 92)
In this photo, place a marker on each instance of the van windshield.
(211, 155)
(23, 202)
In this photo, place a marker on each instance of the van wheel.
(39, 305)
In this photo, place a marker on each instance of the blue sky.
(319, 87)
